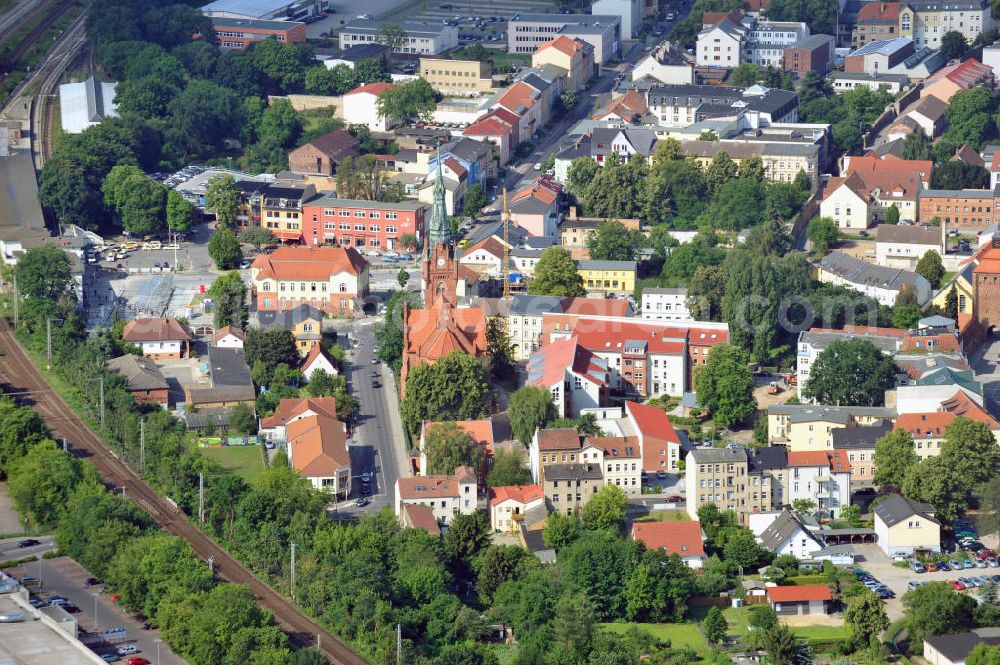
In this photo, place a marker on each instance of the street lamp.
(96, 623)
(158, 641)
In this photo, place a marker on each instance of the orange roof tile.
(229, 330)
(519, 493)
(564, 44)
(519, 95)
(372, 89)
(547, 366)
(434, 332)
(292, 407)
(560, 438)
(870, 164)
(618, 447)
(318, 446)
(925, 425)
(799, 593)
(308, 263)
(595, 307)
(681, 538)
(420, 517)
(433, 487)
(315, 353)
(657, 434)
(879, 12)
(962, 405)
(629, 104)
(155, 330)
(832, 459)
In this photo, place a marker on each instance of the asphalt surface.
(9, 549)
(63, 576)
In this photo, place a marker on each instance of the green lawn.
(738, 618)
(244, 460)
(665, 516)
(820, 633)
(679, 634)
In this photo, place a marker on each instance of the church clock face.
(440, 262)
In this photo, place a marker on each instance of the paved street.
(65, 577)
(9, 549)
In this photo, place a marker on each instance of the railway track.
(21, 376)
(12, 61)
(19, 15)
(60, 58)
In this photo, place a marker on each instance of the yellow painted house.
(962, 281)
(905, 527)
(805, 427)
(608, 276)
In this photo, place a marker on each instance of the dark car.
(676, 498)
(71, 608)
(92, 581)
(362, 502)
(28, 542)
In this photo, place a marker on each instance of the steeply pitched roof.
(420, 516)
(877, 13)
(681, 538)
(957, 646)
(318, 446)
(336, 144)
(229, 330)
(371, 88)
(548, 366)
(857, 271)
(315, 353)
(835, 460)
(155, 330)
(898, 508)
(519, 493)
(292, 407)
(863, 438)
(563, 44)
(781, 529)
(559, 438)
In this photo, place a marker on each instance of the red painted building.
(239, 33)
(363, 225)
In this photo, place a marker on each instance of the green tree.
(724, 385)
(892, 214)
(933, 481)
(752, 168)
(242, 420)
(742, 550)
(224, 248)
(613, 241)
(745, 75)
(201, 116)
(499, 348)
(180, 213)
(475, 200)
(780, 644)
(984, 654)
(851, 515)
(229, 301)
(139, 201)
(561, 530)
(917, 145)
(283, 65)
(468, 535)
(953, 45)
(529, 408)
(970, 451)
(394, 36)
(581, 173)
(931, 268)
(721, 170)
(715, 625)
(508, 469)
(402, 278)
(454, 388)
(556, 275)
(906, 317)
(804, 506)
(20, 430)
(498, 564)
(222, 199)
(41, 481)
(447, 447)
(989, 517)
(850, 373)
(957, 174)
(894, 456)
(865, 617)
(822, 232)
(270, 347)
(331, 81)
(936, 609)
(257, 237)
(573, 625)
(409, 100)
(44, 273)
(951, 303)
(606, 509)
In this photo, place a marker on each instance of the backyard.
(247, 461)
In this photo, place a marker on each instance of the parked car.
(127, 650)
(92, 581)
(930, 567)
(137, 660)
(362, 502)
(956, 585)
(916, 566)
(968, 564)
(245, 263)
(943, 565)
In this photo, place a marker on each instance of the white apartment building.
(620, 459)
(820, 476)
(424, 38)
(903, 245)
(926, 21)
(629, 11)
(763, 43)
(665, 304)
(524, 322)
(444, 495)
(813, 342)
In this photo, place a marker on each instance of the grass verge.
(243, 460)
(679, 634)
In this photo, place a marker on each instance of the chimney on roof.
(996, 242)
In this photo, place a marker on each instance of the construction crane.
(505, 220)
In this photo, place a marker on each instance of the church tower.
(440, 267)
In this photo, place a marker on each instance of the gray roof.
(573, 472)
(718, 455)
(936, 321)
(857, 271)
(484, 230)
(768, 457)
(722, 99)
(566, 19)
(526, 253)
(864, 438)
(929, 107)
(606, 265)
(331, 199)
(883, 46)
(910, 234)
(220, 22)
(573, 146)
(287, 319)
(898, 508)
(141, 373)
(412, 28)
(642, 140)
(202, 418)
(246, 7)
(804, 413)
(228, 368)
(821, 340)
(956, 646)
(360, 52)
(959, 193)
(667, 291)
(86, 102)
(535, 305)
(900, 79)
(781, 529)
(812, 41)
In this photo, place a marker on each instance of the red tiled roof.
(612, 338)
(879, 12)
(656, 432)
(519, 95)
(314, 354)
(372, 89)
(519, 493)
(292, 407)
(617, 447)
(681, 538)
(318, 446)
(547, 366)
(830, 459)
(870, 164)
(229, 330)
(925, 425)
(491, 244)
(434, 332)
(419, 487)
(799, 593)
(560, 438)
(308, 263)
(629, 104)
(456, 167)
(967, 74)
(337, 143)
(488, 126)
(155, 330)
(563, 44)
(595, 307)
(420, 516)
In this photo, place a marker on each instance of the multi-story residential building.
(904, 527)
(525, 317)
(722, 476)
(902, 245)
(805, 427)
(145, 381)
(510, 504)
(766, 41)
(721, 45)
(576, 377)
(814, 341)
(928, 428)
(457, 77)
(330, 278)
(499, 127)
(239, 33)
(608, 276)
(782, 161)
(879, 56)
(627, 143)
(728, 40)
(574, 56)
(882, 284)
(960, 209)
(659, 441)
(361, 224)
(561, 445)
(445, 495)
(665, 304)
(483, 437)
(423, 38)
(317, 449)
(526, 32)
(683, 105)
(535, 207)
(965, 75)
(620, 458)
(664, 64)
(568, 487)
(927, 21)
(858, 444)
(629, 11)
(876, 21)
(304, 321)
(360, 107)
(323, 155)
(576, 231)
(820, 476)
(277, 208)
(859, 200)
